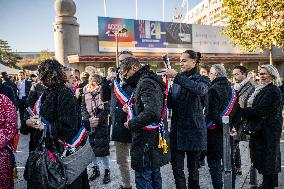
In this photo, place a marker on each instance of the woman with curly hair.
(59, 109)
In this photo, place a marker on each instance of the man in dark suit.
(24, 87)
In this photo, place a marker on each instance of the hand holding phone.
(31, 113)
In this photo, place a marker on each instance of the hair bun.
(198, 56)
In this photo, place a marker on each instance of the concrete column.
(66, 31)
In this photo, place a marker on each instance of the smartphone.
(30, 111)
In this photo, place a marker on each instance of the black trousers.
(23, 104)
(270, 181)
(177, 161)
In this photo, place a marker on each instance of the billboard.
(107, 41)
(150, 34)
(156, 36)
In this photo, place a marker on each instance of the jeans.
(215, 169)
(105, 159)
(148, 179)
(122, 154)
(177, 161)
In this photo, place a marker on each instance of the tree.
(33, 63)
(255, 24)
(7, 57)
(44, 55)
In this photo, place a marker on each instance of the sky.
(27, 25)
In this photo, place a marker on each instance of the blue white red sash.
(120, 93)
(76, 141)
(37, 106)
(227, 110)
(124, 99)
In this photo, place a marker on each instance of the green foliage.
(7, 57)
(255, 24)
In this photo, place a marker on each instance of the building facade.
(207, 12)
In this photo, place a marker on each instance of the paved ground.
(168, 181)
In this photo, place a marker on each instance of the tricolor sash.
(125, 99)
(227, 110)
(76, 141)
(120, 93)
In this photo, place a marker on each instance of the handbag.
(78, 161)
(44, 169)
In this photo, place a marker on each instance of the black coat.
(219, 95)
(266, 110)
(100, 138)
(8, 91)
(187, 99)
(119, 117)
(59, 108)
(35, 92)
(8, 82)
(148, 104)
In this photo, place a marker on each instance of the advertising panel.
(209, 39)
(108, 27)
(155, 36)
(179, 35)
(150, 34)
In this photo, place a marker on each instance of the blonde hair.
(272, 70)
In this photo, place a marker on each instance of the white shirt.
(22, 88)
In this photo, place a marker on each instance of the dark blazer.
(266, 110)
(187, 99)
(28, 85)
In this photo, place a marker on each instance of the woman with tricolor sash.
(221, 102)
(57, 108)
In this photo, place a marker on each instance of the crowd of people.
(131, 106)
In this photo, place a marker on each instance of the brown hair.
(51, 73)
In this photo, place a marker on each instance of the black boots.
(106, 176)
(96, 173)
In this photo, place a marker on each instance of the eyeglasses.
(125, 74)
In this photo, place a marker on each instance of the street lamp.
(122, 30)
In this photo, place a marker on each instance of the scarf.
(92, 99)
(240, 85)
(258, 88)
